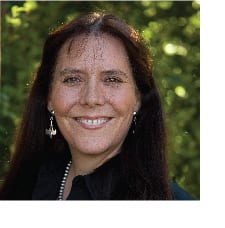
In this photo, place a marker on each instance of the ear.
(138, 101)
(49, 106)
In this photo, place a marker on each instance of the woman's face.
(93, 94)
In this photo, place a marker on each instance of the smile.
(93, 123)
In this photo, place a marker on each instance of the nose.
(92, 94)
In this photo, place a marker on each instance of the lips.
(93, 122)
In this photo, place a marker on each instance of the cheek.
(123, 101)
(63, 100)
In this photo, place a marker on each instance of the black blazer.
(89, 187)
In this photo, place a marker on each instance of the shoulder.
(179, 193)
(49, 178)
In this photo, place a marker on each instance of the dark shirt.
(89, 187)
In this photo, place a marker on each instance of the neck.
(83, 164)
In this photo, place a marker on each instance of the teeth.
(92, 122)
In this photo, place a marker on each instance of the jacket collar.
(104, 183)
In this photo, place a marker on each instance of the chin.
(96, 146)
(91, 150)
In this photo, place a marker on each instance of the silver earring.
(51, 131)
(134, 122)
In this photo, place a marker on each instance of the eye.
(72, 80)
(113, 80)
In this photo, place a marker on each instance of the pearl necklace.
(62, 186)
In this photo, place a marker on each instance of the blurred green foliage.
(171, 31)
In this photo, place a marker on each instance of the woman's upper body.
(107, 182)
(95, 91)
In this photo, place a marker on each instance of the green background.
(172, 33)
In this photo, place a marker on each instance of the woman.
(93, 126)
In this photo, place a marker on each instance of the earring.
(134, 122)
(51, 131)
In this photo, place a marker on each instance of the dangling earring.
(134, 122)
(51, 131)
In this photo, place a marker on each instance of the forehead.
(91, 46)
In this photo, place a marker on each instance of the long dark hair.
(144, 152)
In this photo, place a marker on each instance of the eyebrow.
(105, 72)
(114, 72)
(69, 71)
